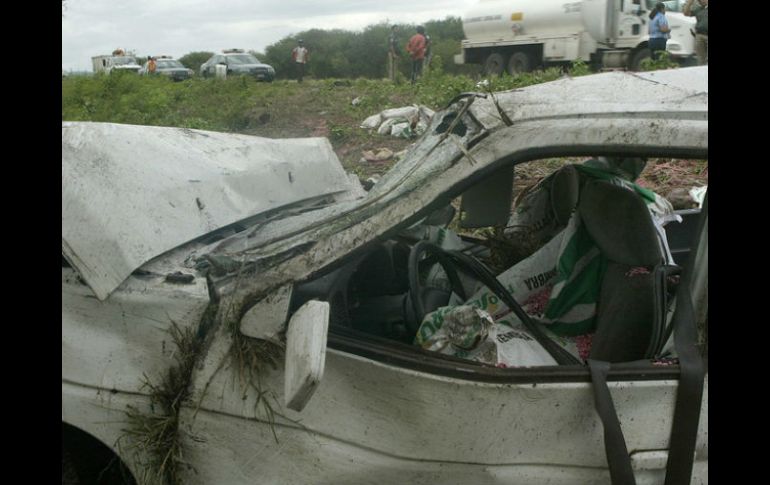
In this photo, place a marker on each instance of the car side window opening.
(438, 301)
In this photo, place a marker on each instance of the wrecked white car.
(237, 310)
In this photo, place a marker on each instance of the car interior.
(381, 294)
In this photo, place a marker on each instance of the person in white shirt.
(300, 56)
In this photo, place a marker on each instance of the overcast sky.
(177, 27)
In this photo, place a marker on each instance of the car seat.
(631, 307)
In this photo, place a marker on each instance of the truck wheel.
(637, 57)
(493, 66)
(519, 63)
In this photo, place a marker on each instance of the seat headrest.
(620, 224)
(564, 193)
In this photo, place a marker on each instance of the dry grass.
(154, 435)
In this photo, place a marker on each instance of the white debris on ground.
(403, 122)
(379, 155)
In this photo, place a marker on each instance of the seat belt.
(684, 431)
(689, 396)
(615, 448)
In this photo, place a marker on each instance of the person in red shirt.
(416, 48)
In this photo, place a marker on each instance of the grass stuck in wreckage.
(154, 435)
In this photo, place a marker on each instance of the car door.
(387, 413)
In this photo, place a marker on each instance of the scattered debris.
(372, 122)
(401, 129)
(370, 182)
(404, 122)
(380, 155)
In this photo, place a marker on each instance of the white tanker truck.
(520, 35)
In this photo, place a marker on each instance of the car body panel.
(304, 457)
(115, 344)
(376, 420)
(112, 218)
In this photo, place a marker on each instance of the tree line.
(341, 53)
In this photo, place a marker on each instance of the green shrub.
(579, 68)
(664, 61)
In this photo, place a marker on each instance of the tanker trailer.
(520, 35)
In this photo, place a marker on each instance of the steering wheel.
(451, 261)
(421, 299)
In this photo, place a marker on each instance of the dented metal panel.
(114, 344)
(676, 93)
(130, 193)
(375, 414)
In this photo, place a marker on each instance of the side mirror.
(305, 353)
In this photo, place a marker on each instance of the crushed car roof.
(131, 193)
(611, 93)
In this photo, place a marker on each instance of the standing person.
(416, 48)
(701, 14)
(300, 56)
(393, 53)
(659, 30)
(152, 66)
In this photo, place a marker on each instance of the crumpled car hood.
(131, 193)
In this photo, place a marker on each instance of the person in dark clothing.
(659, 30)
(701, 13)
